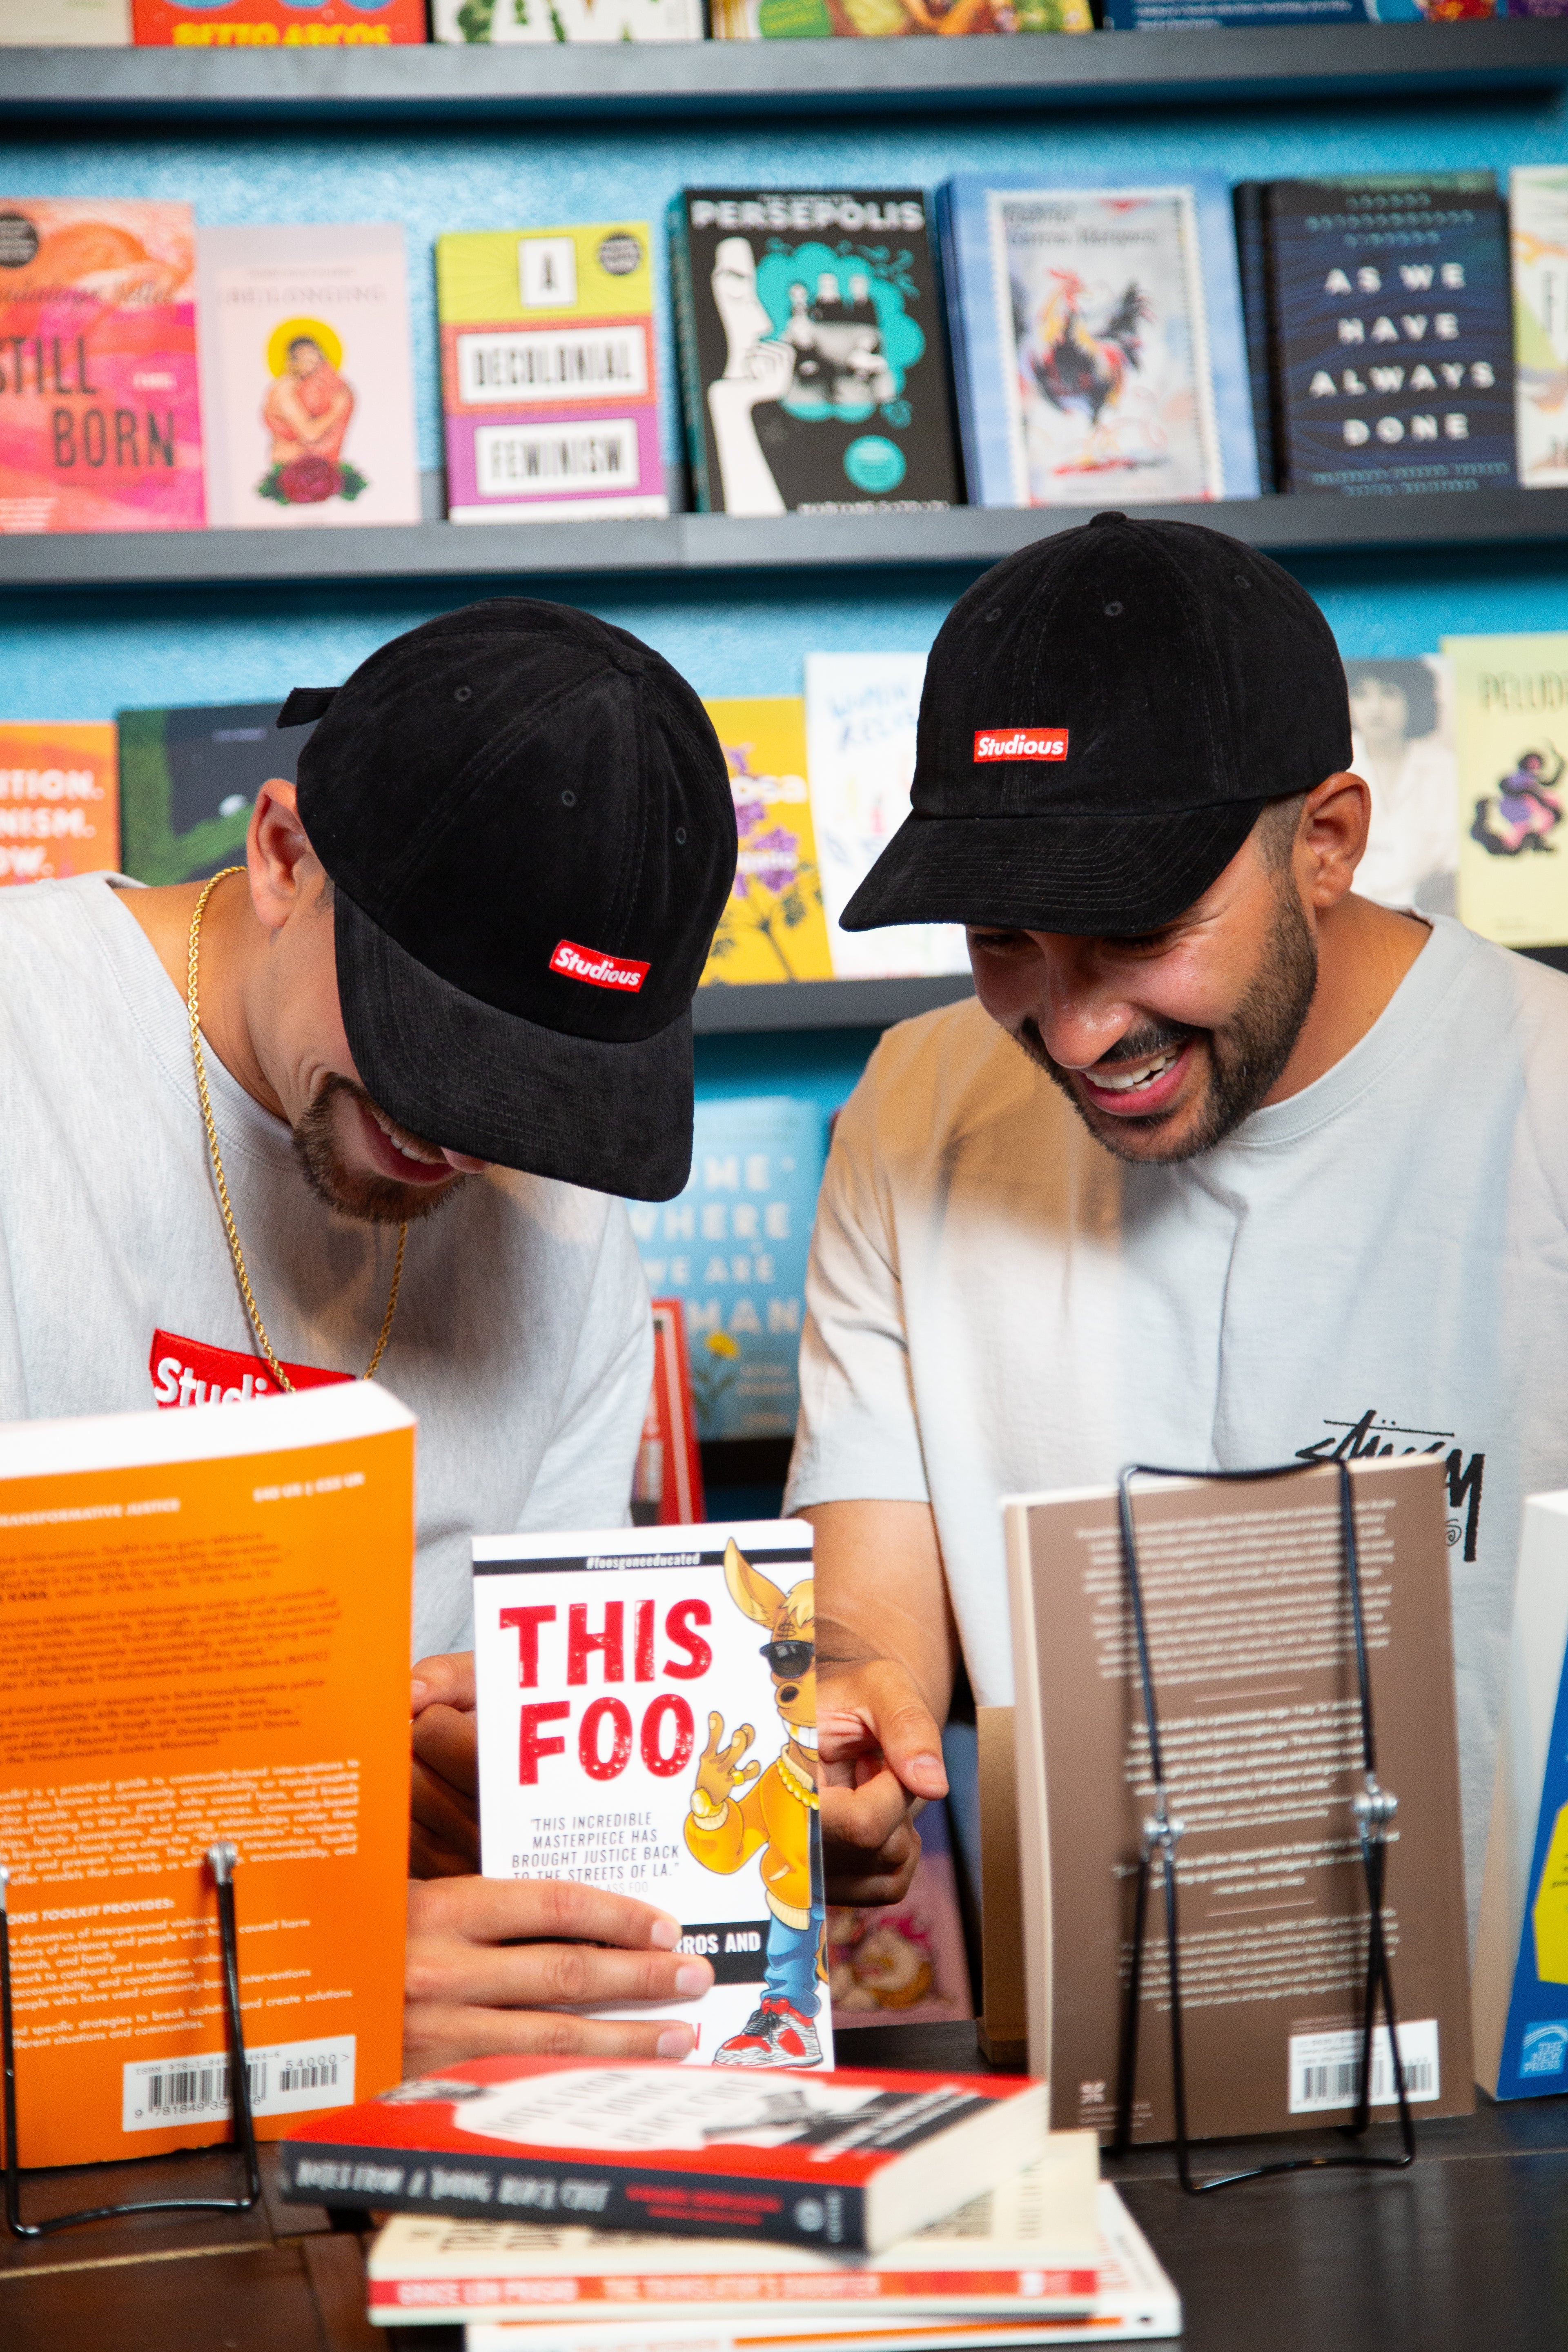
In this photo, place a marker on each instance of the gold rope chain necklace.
(245, 1292)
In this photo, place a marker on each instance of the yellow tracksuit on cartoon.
(741, 1810)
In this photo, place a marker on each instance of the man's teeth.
(410, 1150)
(1144, 1078)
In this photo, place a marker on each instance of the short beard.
(374, 1200)
(1246, 1056)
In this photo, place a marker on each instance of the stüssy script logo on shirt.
(190, 1372)
(1371, 1434)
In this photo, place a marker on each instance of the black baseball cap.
(528, 824)
(1105, 716)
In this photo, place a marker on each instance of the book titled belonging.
(549, 374)
(850, 2160)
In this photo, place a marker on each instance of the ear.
(282, 865)
(1333, 837)
(750, 1591)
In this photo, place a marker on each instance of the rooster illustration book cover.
(306, 382)
(1392, 335)
(1103, 358)
(648, 1724)
(813, 359)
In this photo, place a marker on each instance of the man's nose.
(1080, 1016)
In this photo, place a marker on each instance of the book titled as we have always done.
(203, 1618)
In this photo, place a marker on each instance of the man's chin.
(1159, 1138)
(367, 1196)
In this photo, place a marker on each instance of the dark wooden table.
(1468, 2251)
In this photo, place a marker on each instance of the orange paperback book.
(204, 1617)
(59, 801)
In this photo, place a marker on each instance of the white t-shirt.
(522, 1339)
(1380, 1264)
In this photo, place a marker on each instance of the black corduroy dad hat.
(528, 824)
(1105, 716)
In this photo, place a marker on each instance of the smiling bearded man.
(367, 1101)
(1297, 1187)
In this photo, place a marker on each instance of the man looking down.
(445, 1020)
(1224, 1166)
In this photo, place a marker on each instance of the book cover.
(852, 2161)
(667, 1483)
(188, 778)
(276, 23)
(1249, 1627)
(567, 20)
(1105, 355)
(1508, 693)
(732, 1247)
(1538, 242)
(1034, 2242)
(772, 927)
(206, 1618)
(1402, 743)
(812, 352)
(1213, 16)
(1394, 342)
(549, 374)
(776, 20)
(621, 1682)
(904, 1963)
(306, 382)
(65, 24)
(59, 801)
(100, 413)
(861, 715)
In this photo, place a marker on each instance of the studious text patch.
(1021, 743)
(601, 971)
(189, 1371)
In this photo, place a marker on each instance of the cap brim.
(1092, 874)
(611, 1117)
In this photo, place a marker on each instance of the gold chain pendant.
(236, 1253)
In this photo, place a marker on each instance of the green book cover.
(188, 778)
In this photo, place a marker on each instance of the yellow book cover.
(773, 928)
(60, 799)
(204, 1617)
(1511, 710)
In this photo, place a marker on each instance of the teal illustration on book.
(187, 781)
(842, 310)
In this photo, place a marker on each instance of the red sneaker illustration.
(774, 2035)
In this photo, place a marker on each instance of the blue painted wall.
(83, 655)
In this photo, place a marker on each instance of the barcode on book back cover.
(288, 2078)
(1325, 2068)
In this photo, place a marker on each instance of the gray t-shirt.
(1378, 1266)
(521, 1339)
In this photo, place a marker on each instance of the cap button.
(1112, 517)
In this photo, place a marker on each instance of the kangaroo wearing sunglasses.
(738, 1808)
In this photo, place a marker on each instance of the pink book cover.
(99, 416)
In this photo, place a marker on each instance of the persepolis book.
(1250, 1631)
(648, 1724)
(205, 1616)
(100, 414)
(307, 381)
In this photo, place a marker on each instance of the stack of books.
(807, 2208)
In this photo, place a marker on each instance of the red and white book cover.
(666, 1485)
(648, 1724)
(851, 2161)
(1032, 2246)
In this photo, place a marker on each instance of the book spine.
(827, 2217)
(1252, 258)
(957, 343)
(688, 365)
(997, 2293)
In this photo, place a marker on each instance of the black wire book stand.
(1375, 1809)
(221, 1861)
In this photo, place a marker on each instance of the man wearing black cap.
(455, 976)
(1227, 1166)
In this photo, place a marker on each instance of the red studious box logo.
(599, 970)
(1021, 743)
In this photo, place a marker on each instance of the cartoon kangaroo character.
(725, 1827)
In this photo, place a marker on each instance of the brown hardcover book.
(1250, 1634)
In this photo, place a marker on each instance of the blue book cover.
(1213, 16)
(1393, 334)
(732, 1248)
(1103, 357)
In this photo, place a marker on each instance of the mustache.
(1148, 1037)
